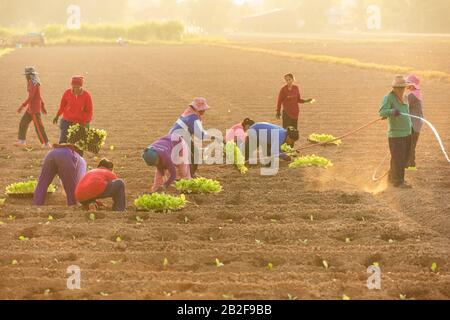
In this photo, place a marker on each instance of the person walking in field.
(66, 161)
(190, 122)
(272, 137)
(76, 108)
(101, 183)
(399, 133)
(288, 100)
(34, 106)
(168, 154)
(415, 102)
(238, 132)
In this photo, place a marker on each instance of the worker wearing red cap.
(75, 108)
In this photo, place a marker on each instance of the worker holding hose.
(399, 133)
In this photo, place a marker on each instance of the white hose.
(434, 131)
(374, 176)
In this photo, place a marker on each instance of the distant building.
(277, 20)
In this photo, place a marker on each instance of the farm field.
(421, 54)
(295, 220)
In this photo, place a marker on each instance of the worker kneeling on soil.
(271, 137)
(67, 162)
(169, 154)
(101, 183)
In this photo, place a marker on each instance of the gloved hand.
(278, 115)
(55, 120)
(396, 113)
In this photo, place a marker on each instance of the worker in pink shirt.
(238, 132)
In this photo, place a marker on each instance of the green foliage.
(87, 139)
(238, 159)
(311, 161)
(27, 187)
(289, 150)
(160, 202)
(143, 31)
(198, 185)
(320, 138)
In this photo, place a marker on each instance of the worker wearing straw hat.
(76, 108)
(34, 107)
(399, 132)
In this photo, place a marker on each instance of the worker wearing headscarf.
(76, 108)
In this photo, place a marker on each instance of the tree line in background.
(219, 15)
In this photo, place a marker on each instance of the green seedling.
(434, 267)
(23, 238)
(218, 263)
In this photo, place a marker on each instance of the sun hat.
(415, 82)
(400, 82)
(30, 71)
(150, 156)
(199, 104)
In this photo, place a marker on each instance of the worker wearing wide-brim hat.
(189, 124)
(415, 102)
(34, 108)
(76, 108)
(396, 110)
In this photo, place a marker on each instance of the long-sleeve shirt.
(236, 132)
(70, 167)
(398, 126)
(415, 109)
(192, 125)
(270, 137)
(163, 148)
(76, 109)
(93, 184)
(34, 102)
(290, 99)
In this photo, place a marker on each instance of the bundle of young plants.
(198, 185)
(87, 139)
(311, 161)
(232, 150)
(160, 202)
(25, 189)
(321, 138)
(289, 150)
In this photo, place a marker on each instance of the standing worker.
(34, 107)
(289, 98)
(75, 108)
(399, 133)
(415, 102)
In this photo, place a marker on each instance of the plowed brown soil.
(294, 220)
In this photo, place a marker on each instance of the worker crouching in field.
(415, 102)
(67, 162)
(270, 137)
(76, 108)
(399, 131)
(189, 124)
(101, 183)
(289, 98)
(34, 107)
(238, 132)
(169, 154)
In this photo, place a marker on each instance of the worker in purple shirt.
(66, 161)
(273, 137)
(169, 154)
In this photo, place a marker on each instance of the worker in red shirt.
(75, 108)
(101, 183)
(34, 107)
(289, 97)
